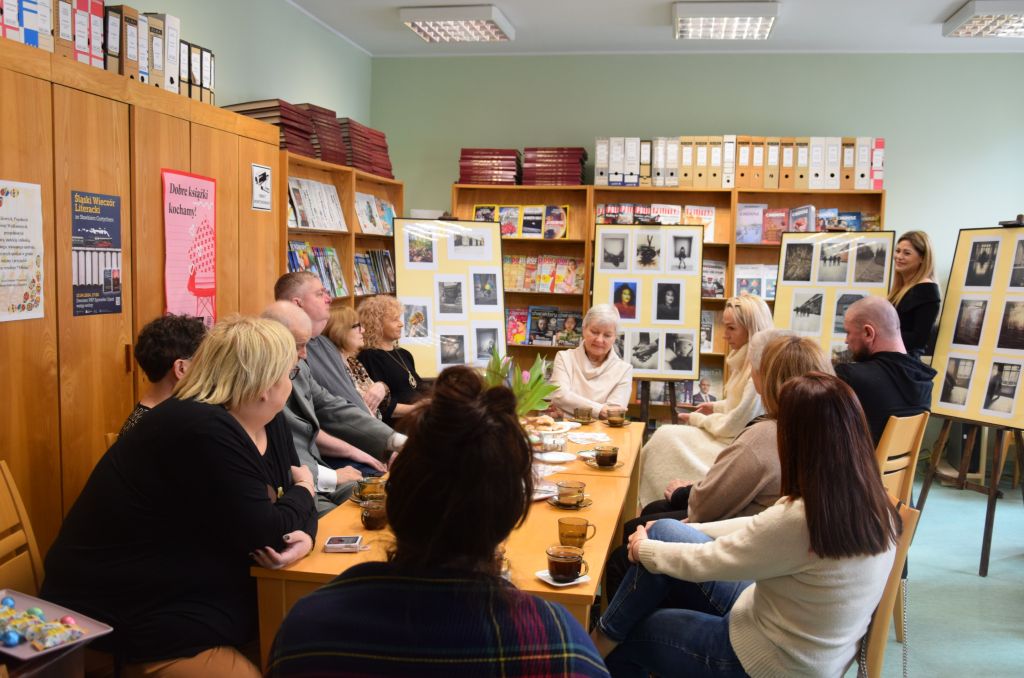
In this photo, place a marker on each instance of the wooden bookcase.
(348, 181)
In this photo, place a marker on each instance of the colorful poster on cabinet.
(95, 253)
(651, 275)
(21, 251)
(821, 274)
(449, 280)
(979, 351)
(190, 234)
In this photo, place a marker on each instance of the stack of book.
(312, 204)
(326, 138)
(543, 273)
(294, 123)
(489, 166)
(323, 261)
(554, 166)
(375, 272)
(365, 148)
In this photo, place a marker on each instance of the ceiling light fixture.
(467, 23)
(724, 20)
(987, 19)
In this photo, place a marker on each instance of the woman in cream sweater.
(592, 375)
(818, 559)
(687, 452)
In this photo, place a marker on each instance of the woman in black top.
(914, 291)
(160, 542)
(381, 318)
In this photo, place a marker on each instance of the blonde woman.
(345, 331)
(686, 452)
(381, 320)
(915, 294)
(177, 510)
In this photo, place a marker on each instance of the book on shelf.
(542, 325)
(375, 272)
(716, 382)
(513, 272)
(508, 220)
(530, 273)
(370, 220)
(712, 285)
(568, 276)
(749, 221)
(568, 329)
(776, 220)
(701, 214)
(707, 331)
(770, 273)
(546, 273)
(849, 221)
(485, 212)
(516, 326)
(321, 261)
(556, 221)
(533, 221)
(749, 279)
(666, 214)
(826, 219)
(870, 221)
(293, 221)
(386, 211)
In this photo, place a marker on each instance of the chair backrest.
(878, 631)
(21, 568)
(897, 453)
(110, 439)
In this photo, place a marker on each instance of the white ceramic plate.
(554, 457)
(559, 427)
(546, 578)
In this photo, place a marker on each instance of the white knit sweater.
(581, 383)
(804, 615)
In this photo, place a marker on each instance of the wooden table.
(611, 492)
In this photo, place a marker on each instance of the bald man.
(325, 426)
(887, 381)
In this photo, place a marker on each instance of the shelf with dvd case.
(337, 222)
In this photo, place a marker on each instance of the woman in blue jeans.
(788, 592)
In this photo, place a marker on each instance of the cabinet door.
(29, 418)
(159, 141)
(215, 155)
(90, 137)
(259, 237)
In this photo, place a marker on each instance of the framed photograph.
(486, 337)
(843, 302)
(416, 319)
(970, 320)
(668, 302)
(420, 250)
(833, 263)
(644, 350)
(806, 314)
(612, 251)
(871, 262)
(681, 257)
(451, 346)
(624, 298)
(486, 286)
(647, 251)
(469, 244)
(451, 297)
(1017, 269)
(1002, 388)
(981, 265)
(620, 345)
(798, 262)
(957, 381)
(1011, 328)
(678, 352)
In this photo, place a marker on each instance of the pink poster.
(190, 233)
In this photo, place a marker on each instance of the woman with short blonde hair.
(345, 331)
(384, 360)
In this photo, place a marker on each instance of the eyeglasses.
(357, 326)
(294, 372)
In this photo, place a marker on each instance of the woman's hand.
(706, 408)
(375, 395)
(635, 540)
(603, 414)
(303, 477)
(684, 417)
(297, 545)
(673, 486)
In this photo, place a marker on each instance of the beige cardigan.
(581, 383)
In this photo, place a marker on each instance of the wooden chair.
(110, 439)
(897, 454)
(21, 568)
(872, 650)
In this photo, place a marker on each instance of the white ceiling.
(644, 27)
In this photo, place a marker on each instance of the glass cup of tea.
(370, 488)
(606, 455)
(570, 492)
(575, 531)
(616, 415)
(373, 515)
(566, 564)
(583, 415)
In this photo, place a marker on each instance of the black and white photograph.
(681, 257)
(957, 381)
(451, 297)
(669, 306)
(486, 290)
(798, 262)
(1001, 391)
(620, 345)
(469, 244)
(843, 302)
(806, 314)
(451, 348)
(613, 251)
(647, 254)
(970, 320)
(420, 249)
(416, 318)
(644, 350)
(872, 260)
(485, 340)
(834, 262)
(678, 354)
(1017, 270)
(982, 264)
(1011, 329)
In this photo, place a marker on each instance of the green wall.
(954, 125)
(269, 49)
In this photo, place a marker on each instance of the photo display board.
(651, 274)
(822, 274)
(980, 348)
(448, 279)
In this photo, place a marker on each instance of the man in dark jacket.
(886, 380)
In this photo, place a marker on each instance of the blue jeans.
(667, 626)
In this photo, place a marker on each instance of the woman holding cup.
(592, 377)
(464, 480)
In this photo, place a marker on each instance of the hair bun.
(500, 400)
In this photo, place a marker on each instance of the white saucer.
(554, 457)
(546, 578)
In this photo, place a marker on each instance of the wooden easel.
(999, 453)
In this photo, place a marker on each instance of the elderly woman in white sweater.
(592, 375)
(819, 560)
(686, 452)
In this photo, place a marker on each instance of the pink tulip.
(526, 377)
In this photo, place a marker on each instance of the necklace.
(401, 361)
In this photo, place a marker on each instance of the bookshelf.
(348, 181)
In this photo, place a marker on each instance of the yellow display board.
(651, 274)
(979, 352)
(448, 278)
(821, 274)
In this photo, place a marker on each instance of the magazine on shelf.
(749, 221)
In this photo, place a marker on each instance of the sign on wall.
(21, 251)
(95, 253)
(190, 233)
